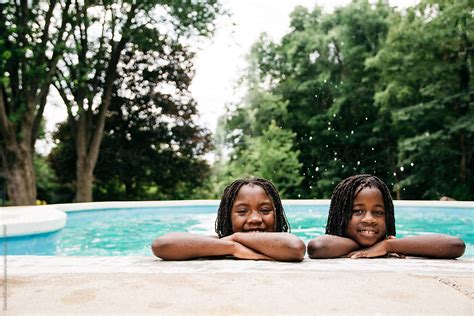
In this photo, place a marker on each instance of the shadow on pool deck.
(216, 287)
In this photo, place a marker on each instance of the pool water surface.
(130, 231)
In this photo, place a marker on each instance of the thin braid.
(223, 225)
(342, 201)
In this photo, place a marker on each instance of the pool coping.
(34, 265)
(39, 219)
(147, 285)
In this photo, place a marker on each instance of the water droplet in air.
(358, 162)
(401, 168)
(412, 164)
(311, 138)
(352, 132)
(316, 169)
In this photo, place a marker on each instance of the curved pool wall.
(46, 222)
(31, 220)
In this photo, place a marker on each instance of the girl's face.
(367, 223)
(253, 210)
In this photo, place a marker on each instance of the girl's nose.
(368, 218)
(255, 217)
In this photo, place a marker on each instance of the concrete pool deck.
(146, 285)
(133, 285)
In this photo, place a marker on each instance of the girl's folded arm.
(330, 246)
(432, 246)
(275, 245)
(184, 246)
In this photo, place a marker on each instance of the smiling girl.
(251, 224)
(361, 224)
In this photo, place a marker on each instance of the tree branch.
(46, 82)
(67, 103)
(108, 85)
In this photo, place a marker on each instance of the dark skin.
(254, 237)
(366, 236)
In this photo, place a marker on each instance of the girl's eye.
(266, 211)
(357, 212)
(379, 213)
(242, 212)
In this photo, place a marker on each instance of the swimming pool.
(129, 231)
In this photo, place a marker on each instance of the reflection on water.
(123, 232)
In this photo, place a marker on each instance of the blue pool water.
(123, 232)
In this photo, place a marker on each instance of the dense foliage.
(366, 89)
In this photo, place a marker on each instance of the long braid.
(223, 224)
(342, 201)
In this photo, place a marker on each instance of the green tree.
(318, 71)
(141, 152)
(108, 36)
(258, 145)
(149, 134)
(270, 156)
(426, 67)
(32, 41)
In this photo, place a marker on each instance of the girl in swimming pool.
(361, 224)
(251, 224)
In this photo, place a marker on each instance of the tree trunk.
(84, 180)
(463, 167)
(21, 180)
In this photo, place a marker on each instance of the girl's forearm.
(184, 246)
(278, 246)
(330, 246)
(432, 246)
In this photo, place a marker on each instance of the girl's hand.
(377, 250)
(380, 249)
(229, 238)
(242, 252)
(394, 254)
